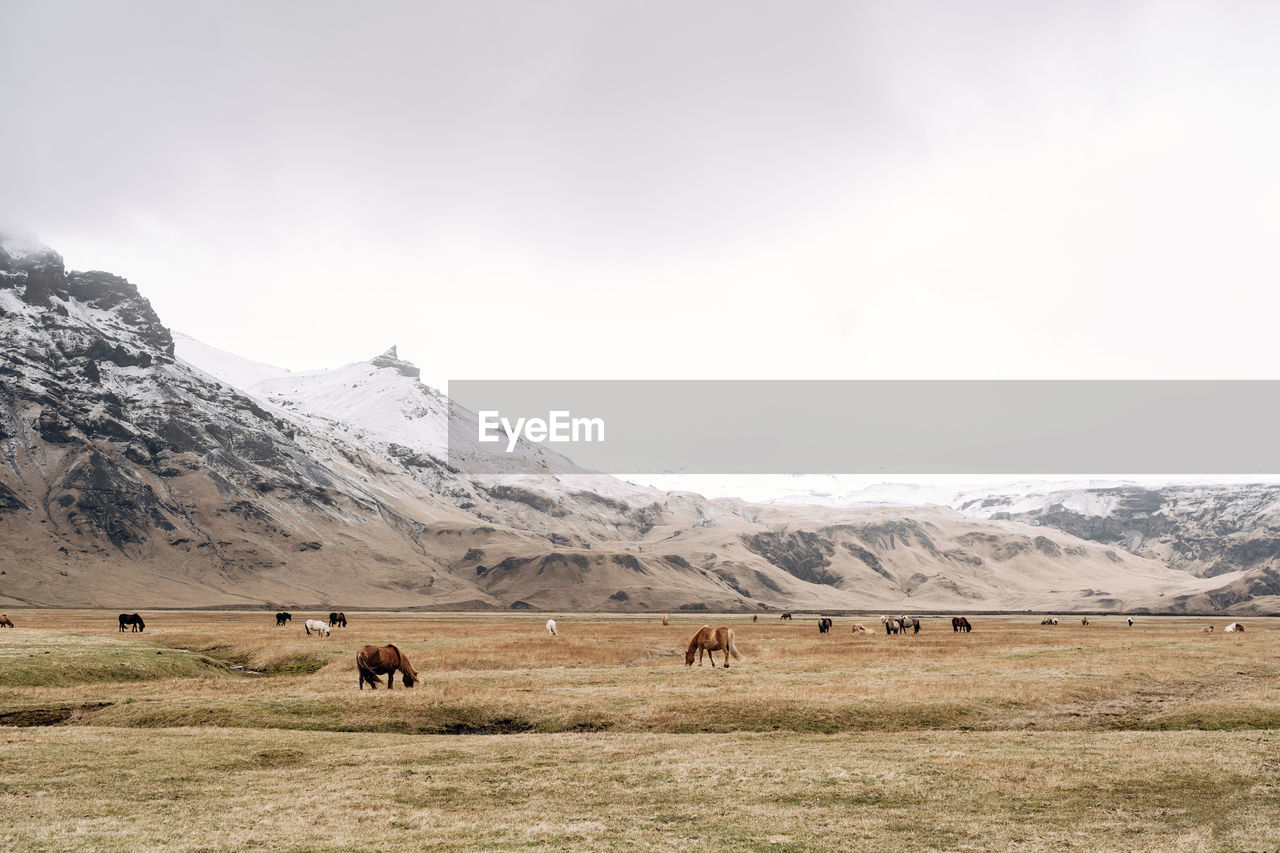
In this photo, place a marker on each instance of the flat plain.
(218, 730)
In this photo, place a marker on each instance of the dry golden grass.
(202, 789)
(1015, 736)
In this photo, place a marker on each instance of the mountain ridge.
(132, 476)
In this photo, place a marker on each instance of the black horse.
(132, 619)
(824, 625)
(282, 618)
(338, 619)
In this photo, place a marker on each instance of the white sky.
(659, 190)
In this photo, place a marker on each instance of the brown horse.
(785, 616)
(6, 622)
(373, 661)
(708, 640)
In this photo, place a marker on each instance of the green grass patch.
(39, 660)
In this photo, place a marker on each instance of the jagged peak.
(391, 359)
(21, 251)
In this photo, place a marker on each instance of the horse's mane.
(693, 644)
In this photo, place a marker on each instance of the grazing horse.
(6, 622)
(316, 625)
(755, 616)
(959, 623)
(551, 627)
(338, 619)
(708, 640)
(373, 661)
(1234, 628)
(786, 616)
(1048, 620)
(824, 625)
(891, 625)
(132, 619)
(1084, 620)
(666, 620)
(282, 618)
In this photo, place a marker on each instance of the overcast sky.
(655, 190)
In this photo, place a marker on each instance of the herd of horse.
(375, 661)
(315, 626)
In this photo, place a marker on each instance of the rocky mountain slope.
(138, 474)
(1207, 530)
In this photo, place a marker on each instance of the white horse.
(551, 627)
(321, 628)
(1233, 628)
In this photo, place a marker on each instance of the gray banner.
(868, 427)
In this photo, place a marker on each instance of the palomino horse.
(860, 629)
(1084, 620)
(708, 640)
(1207, 630)
(373, 661)
(282, 618)
(6, 622)
(666, 620)
(316, 625)
(132, 619)
(338, 620)
(551, 627)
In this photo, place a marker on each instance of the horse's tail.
(365, 670)
(730, 647)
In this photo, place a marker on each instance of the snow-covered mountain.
(141, 470)
(234, 370)
(1206, 529)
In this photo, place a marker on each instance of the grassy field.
(217, 730)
